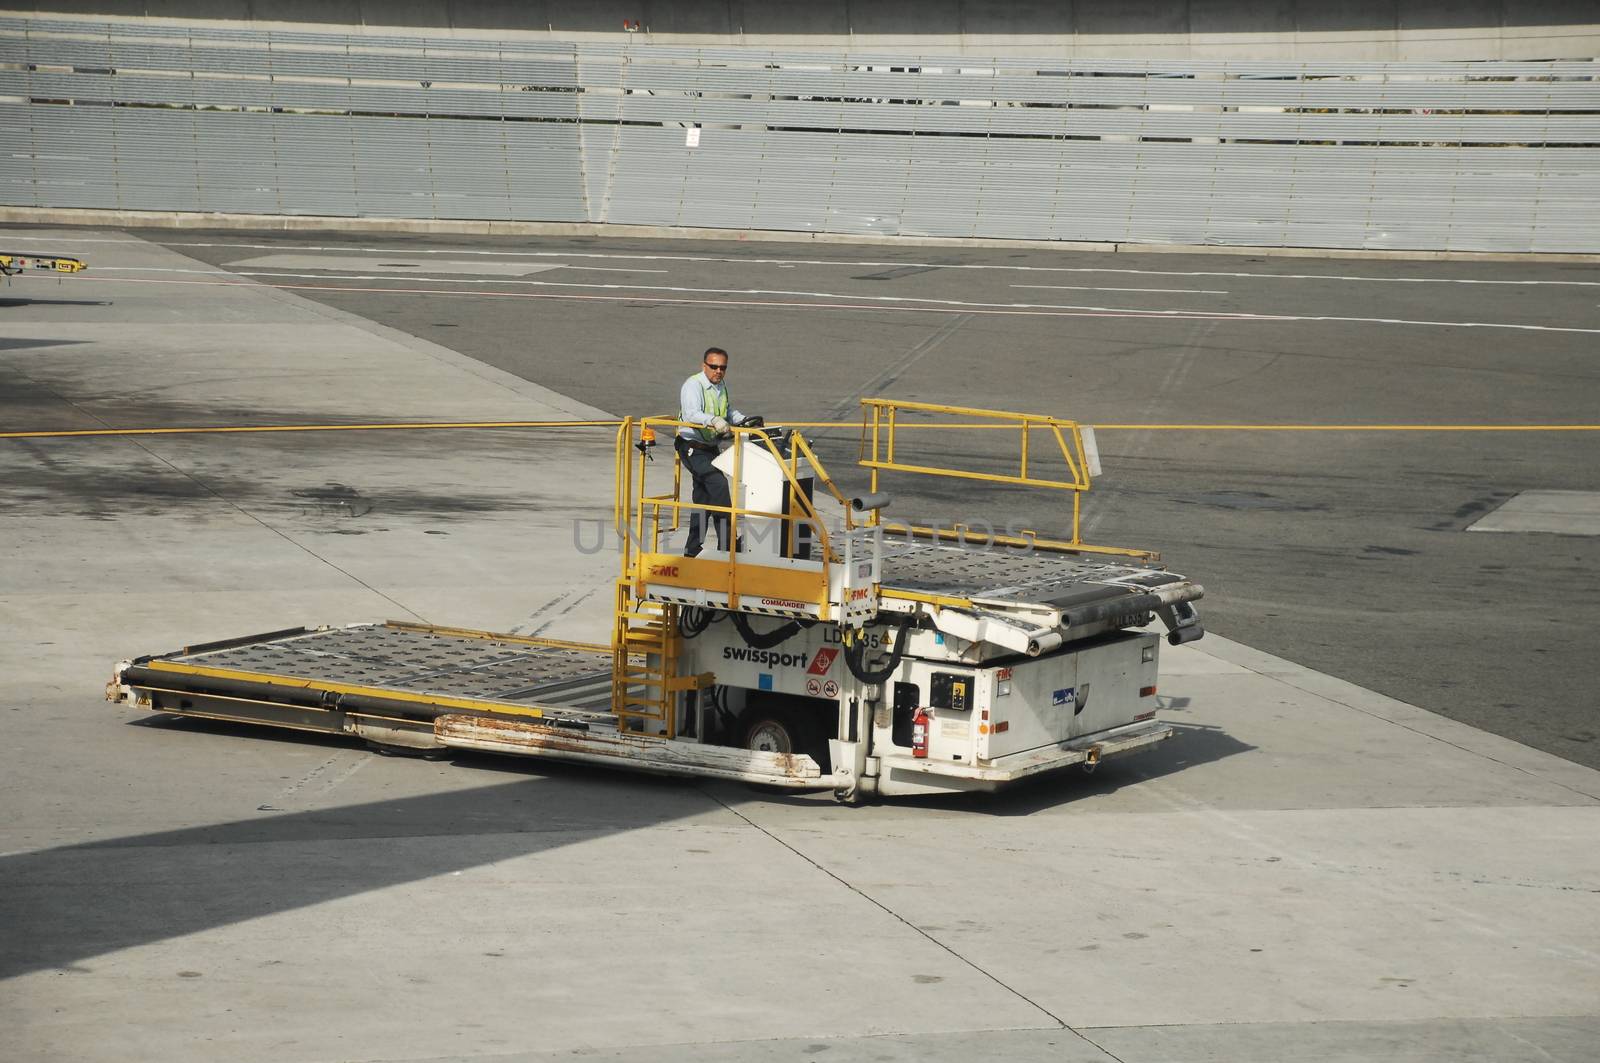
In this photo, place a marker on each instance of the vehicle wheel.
(775, 726)
(771, 732)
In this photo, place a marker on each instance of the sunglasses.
(715, 366)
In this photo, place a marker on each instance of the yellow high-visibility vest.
(716, 404)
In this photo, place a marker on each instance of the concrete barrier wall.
(1373, 30)
(247, 118)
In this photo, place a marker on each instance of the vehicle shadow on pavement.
(12, 344)
(8, 303)
(64, 905)
(1193, 745)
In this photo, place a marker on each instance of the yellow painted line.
(1349, 427)
(236, 429)
(473, 425)
(1044, 425)
(902, 426)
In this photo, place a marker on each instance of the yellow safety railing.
(641, 518)
(645, 641)
(1062, 466)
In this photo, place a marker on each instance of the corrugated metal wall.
(144, 116)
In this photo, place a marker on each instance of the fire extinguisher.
(919, 733)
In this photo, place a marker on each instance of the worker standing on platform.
(707, 410)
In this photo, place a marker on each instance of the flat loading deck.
(421, 669)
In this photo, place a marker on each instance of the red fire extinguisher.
(919, 733)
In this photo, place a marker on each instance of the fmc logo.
(663, 570)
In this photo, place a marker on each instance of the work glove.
(719, 426)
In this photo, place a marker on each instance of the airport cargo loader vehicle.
(815, 644)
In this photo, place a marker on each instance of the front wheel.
(771, 725)
(770, 732)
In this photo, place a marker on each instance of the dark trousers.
(710, 489)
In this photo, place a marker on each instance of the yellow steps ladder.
(644, 675)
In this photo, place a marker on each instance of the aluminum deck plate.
(998, 573)
(426, 663)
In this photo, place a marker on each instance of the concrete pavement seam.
(611, 1051)
(891, 912)
(1438, 738)
(1290, 673)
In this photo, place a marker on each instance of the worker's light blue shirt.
(691, 404)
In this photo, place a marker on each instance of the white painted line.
(1085, 288)
(862, 302)
(164, 269)
(611, 269)
(397, 263)
(853, 263)
(240, 273)
(17, 238)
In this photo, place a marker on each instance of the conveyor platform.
(1006, 574)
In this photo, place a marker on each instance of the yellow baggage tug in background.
(832, 649)
(13, 263)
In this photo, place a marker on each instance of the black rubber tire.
(784, 725)
(772, 732)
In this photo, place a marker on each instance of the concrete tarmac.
(1311, 870)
